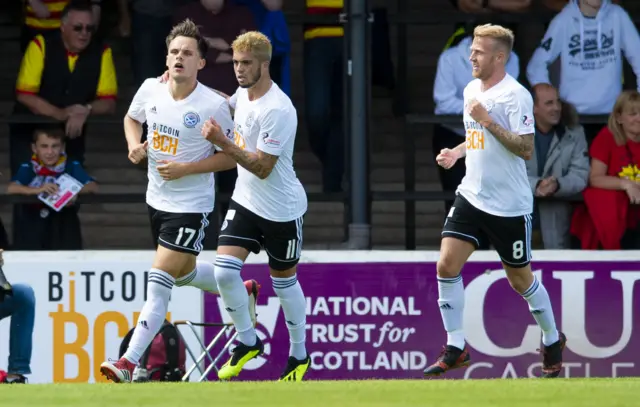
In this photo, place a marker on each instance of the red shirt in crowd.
(621, 161)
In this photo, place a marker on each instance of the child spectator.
(36, 226)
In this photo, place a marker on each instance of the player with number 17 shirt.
(180, 192)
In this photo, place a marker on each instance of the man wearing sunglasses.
(66, 76)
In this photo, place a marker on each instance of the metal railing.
(409, 196)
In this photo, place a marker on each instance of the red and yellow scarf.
(42, 171)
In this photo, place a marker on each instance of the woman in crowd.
(610, 216)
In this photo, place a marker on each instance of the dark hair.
(51, 132)
(568, 114)
(76, 5)
(189, 29)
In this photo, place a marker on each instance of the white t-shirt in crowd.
(174, 135)
(268, 124)
(496, 180)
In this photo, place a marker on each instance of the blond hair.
(500, 34)
(628, 100)
(255, 43)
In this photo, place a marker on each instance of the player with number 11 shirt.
(494, 199)
(267, 205)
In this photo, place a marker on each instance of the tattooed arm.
(259, 164)
(520, 145)
(277, 129)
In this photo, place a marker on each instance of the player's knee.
(227, 270)
(519, 278)
(282, 271)
(447, 267)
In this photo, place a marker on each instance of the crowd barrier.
(371, 314)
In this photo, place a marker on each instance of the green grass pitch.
(621, 392)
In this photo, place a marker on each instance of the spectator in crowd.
(220, 21)
(42, 17)
(487, 6)
(558, 5)
(65, 77)
(42, 228)
(610, 216)
(452, 76)
(272, 23)
(485, 11)
(559, 167)
(18, 302)
(148, 22)
(589, 37)
(323, 81)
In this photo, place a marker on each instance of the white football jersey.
(174, 135)
(268, 124)
(496, 180)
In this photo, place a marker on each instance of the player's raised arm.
(518, 139)
(276, 129)
(259, 164)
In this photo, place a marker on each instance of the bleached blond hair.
(503, 36)
(255, 43)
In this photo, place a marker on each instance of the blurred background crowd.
(71, 68)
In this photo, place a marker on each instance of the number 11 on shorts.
(292, 249)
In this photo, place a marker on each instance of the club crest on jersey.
(191, 119)
(488, 105)
(249, 120)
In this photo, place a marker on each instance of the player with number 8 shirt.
(494, 199)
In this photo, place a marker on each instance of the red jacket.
(602, 220)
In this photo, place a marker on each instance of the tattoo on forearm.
(522, 146)
(259, 164)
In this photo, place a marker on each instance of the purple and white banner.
(381, 320)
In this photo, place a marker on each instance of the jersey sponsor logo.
(475, 139)
(191, 119)
(164, 143)
(238, 139)
(527, 120)
(474, 136)
(164, 129)
(165, 139)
